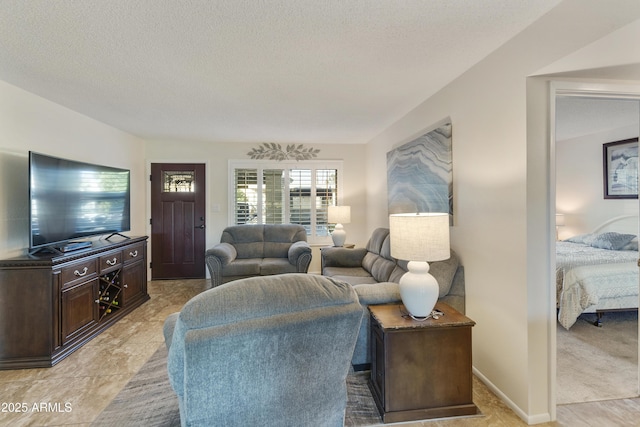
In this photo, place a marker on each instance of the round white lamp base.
(339, 235)
(419, 290)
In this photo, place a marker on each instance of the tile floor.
(74, 392)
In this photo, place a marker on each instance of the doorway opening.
(593, 363)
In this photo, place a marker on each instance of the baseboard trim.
(529, 419)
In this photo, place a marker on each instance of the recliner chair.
(264, 351)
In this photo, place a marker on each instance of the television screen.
(74, 200)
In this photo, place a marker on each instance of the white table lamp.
(419, 238)
(339, 215)
(560, 222)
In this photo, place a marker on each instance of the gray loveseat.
(258, 250)
(264, 351)
(375, 274)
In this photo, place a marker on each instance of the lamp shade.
(420, 237)
(339, 214)
(559, 220)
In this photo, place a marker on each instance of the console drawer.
(133, 253)
(80, 270)
(108, 262)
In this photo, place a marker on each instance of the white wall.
(29, 122)
(579, 186)
(500, 125)
(216, 157)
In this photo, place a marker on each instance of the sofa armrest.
(378, 293)
(342, 257)
(373, 294)
(457, 287)
(300, 255)
(216, 258)
(224, 251)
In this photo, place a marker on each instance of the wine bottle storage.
(109, 293)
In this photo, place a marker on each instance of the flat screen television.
(72, 200)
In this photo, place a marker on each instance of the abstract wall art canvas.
(420, 174)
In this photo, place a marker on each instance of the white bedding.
(590, 279)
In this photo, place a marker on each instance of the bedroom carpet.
(595, 363)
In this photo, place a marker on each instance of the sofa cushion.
(355, 280)
(376, 241)
(444, 271)
(347, 272)
(277, 240)
(342, 257)
(247, 239)
(242, 267)
(276, 266)
(276, 249)
(380, 268)
(398, 271)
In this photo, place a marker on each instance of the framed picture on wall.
(620, 165)
(420, 173)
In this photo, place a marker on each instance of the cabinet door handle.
(125, 286)
(77, 273)
(133, 254)
(97, 301)
(114, 262)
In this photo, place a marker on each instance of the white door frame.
(583, 89)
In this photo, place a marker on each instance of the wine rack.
(109, 297)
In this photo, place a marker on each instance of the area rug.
(598, 363)
(148, 400)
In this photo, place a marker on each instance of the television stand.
(54, 303)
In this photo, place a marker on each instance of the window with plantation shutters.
(282, 192)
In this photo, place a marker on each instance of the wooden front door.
(177, 220)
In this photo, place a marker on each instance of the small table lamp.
(559, 223)
(339, 215)
(419, 238)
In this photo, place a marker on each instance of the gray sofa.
(258, 250)
(264, 351)
(375, 274)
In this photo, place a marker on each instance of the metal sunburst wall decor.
(273, 151)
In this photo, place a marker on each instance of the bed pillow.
(612, 240)
(584, 239)
(631, 246)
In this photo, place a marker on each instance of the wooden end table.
(420, 369)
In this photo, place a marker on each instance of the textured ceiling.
(334, 71)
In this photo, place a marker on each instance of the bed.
(597, 272)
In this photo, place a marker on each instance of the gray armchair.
(258, 250)
(264, 351)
